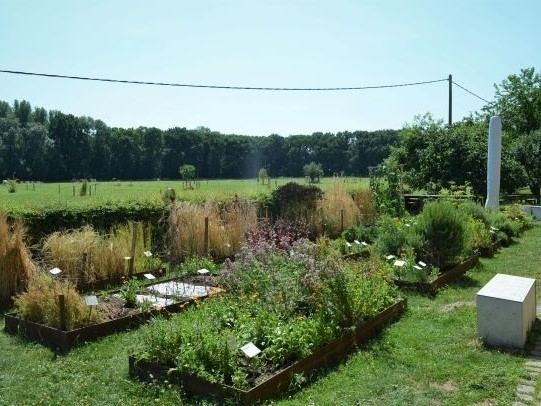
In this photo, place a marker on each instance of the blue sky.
(269, 43)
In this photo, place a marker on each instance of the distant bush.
(12, 185)
(293, 201)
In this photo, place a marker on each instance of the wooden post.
(132, 253)
(206, 242)
(62, 311)
(341, 220)
(450, 100)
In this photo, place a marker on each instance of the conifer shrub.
(442, 229)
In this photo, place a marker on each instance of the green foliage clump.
(443, 231)
(192, 264)
(12, 185)
(129, 291)
(313, 171)
(386, 187)
(395, 236)
(364, 233)
(84, 188)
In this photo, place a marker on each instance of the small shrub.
(367, 234)
(517, 215)
(392, 237)
(84, 188)
(475, 211)
(192, 264)
(129, 291)
(443, 230)
(12, 185)
(478, 235)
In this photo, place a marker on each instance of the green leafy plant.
(129, 291)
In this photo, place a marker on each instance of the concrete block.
(506, 310)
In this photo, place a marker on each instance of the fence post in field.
(62, 311)
(206, 241)
(132, 253)
(341, 220)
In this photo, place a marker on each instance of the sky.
(264, 43)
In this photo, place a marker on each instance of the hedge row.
(42, 222)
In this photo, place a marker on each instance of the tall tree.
(527, 151)
(518, 102)
(152, 151)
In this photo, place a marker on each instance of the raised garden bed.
(279, 382)
(66, 339)
(442, 280)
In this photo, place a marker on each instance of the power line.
(470, 92)
(139, 82)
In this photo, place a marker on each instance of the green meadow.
(36, 195)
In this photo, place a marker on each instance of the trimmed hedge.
(42, 222)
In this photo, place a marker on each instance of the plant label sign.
(203, 271)
(91, 300)
(55, 271)
(250, 350)
(149, 276)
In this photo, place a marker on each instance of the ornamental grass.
(337, 210)
(227, 224)
(85, 256)
(40, 303)
(16, 265)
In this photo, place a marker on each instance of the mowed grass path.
(42, 195)
(431, 356)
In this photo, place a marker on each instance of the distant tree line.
(41, 145)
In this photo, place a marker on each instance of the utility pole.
(450, 100)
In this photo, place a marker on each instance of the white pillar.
(494, 162)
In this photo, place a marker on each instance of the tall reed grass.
(85, 256)
(16, 265)
(227, 224)
(336, 211)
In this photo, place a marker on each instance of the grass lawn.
(39, 195)
(431, 356)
